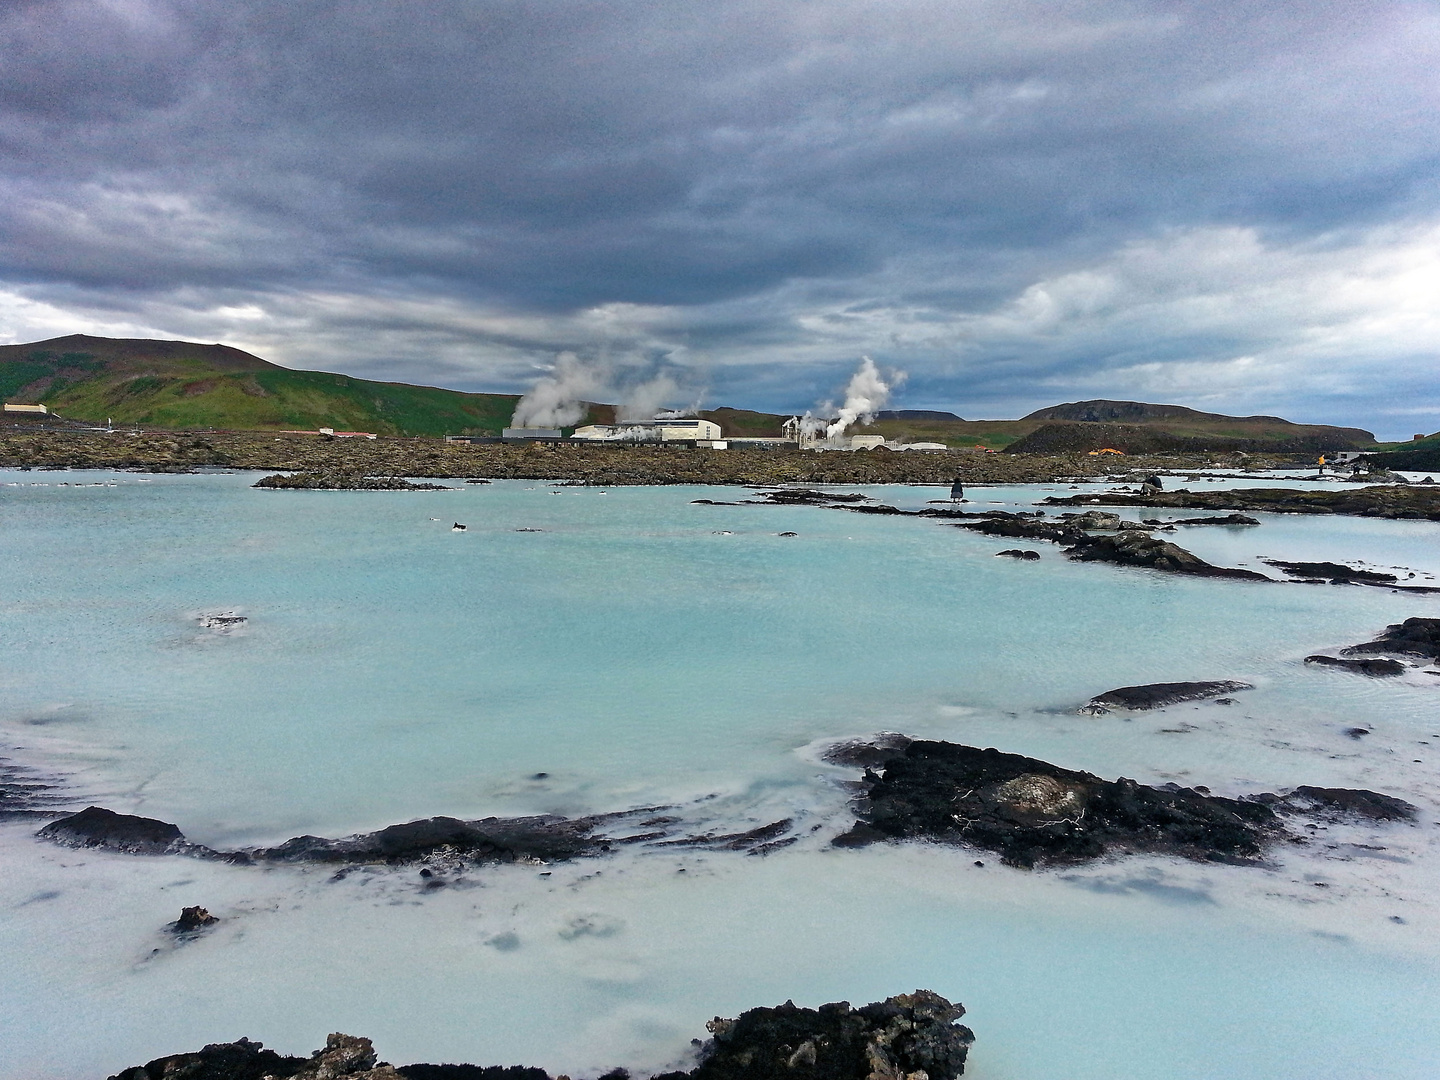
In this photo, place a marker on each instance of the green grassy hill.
(177, 384)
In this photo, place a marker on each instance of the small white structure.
(33, 410)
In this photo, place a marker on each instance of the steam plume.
(558, 400)
(864, 397)
(644, 402)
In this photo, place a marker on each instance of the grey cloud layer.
(485, 184)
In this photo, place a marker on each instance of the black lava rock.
(96, 827)
(897, 1037)
(1158, 695)
(1375, 668)
(909, 1035)
(1413, 637)
(1031, 811)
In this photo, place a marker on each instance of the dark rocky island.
(1032, 812)
(338, 481)
(1414, 638)
(1123, 543)
(1158, 695)
(906, 1037)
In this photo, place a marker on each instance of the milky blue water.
(640, 649)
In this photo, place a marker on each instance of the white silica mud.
(257, 665)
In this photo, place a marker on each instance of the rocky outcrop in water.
(446, 841)
(1375, 667)
(96, 827)
(1340, 804)
(1383, 501)
(1227, 519)
(1158, 695)
(906, 1037)
(192, 920)
(1127, 544)
(543, 838)
(1334, 573)
(1413, 638)
(546, 838)
(1140, 549)
(335, 481)
(1032, 812)
(811, 497)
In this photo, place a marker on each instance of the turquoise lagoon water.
(639, 649)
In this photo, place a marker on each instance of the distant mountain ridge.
(181, 384)
(1132, 412)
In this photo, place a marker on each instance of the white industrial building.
(676, 430)
(33, 410)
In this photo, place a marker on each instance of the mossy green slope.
(176, 384)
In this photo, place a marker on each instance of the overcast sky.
(1227, 205)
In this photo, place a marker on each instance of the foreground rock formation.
(906, 1037)
(1031, 812)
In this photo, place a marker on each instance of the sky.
(1229, 205)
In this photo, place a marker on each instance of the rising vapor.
(866, 395)
(558, 400)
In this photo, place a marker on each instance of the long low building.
(677, 430)
(31, 410)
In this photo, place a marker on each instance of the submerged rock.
(1158, 695)
(1338, 803)
(544, 837)
(1335, 573)
(1033, 812)
(1017, 553)
(1227, 519)
(906, 1037)
(1375, 667)
(26, 794)
(1379, 501)
(810, 497)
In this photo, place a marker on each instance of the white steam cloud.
(866, 395)
(643, 402)
(558, 400)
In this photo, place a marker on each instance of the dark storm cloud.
(759, 184)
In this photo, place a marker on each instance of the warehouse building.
(676, 430)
